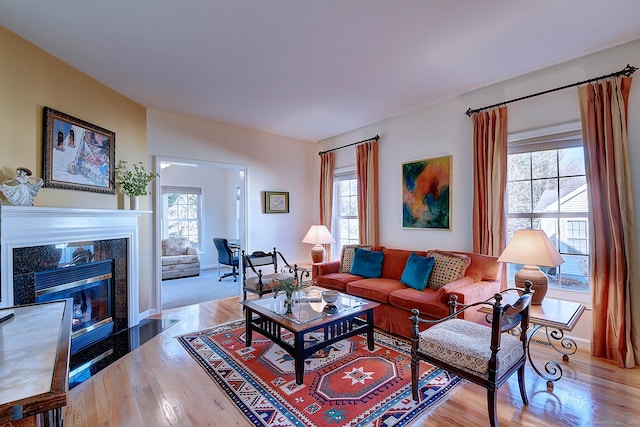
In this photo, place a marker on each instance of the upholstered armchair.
(179, 258)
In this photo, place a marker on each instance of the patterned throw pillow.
(346, 259)
(447, 268)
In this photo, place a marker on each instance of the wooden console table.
(556, 317)
(35, 363)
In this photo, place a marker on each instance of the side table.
(556, 317)
(35, 361)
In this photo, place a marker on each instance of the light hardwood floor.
(159, 384)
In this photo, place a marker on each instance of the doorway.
(221, 190)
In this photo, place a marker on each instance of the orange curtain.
(489, 181)
(367, 174)
(614, 277)
(326, 190)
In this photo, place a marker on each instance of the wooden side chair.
(260, 271)
(484, 355)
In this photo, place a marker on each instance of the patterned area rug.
(345, 384)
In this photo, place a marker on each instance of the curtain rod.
(627, 71)
(375, 138)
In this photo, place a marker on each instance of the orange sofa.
(480, 281)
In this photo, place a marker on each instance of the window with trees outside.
(182, 213)
(547, 190)
(345, 211)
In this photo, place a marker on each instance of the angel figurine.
(21, 191)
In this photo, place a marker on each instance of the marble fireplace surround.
(28, 226)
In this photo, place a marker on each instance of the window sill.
(583, 298)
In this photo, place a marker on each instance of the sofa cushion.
(376, 289)
(346, 259)
(337, 281)
(175, 246)
(426, 301)
(448, 267)
(395, 261)
(367, 263)
(180, 259)
(417, 271)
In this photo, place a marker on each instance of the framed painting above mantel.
(77, 155)
(426, 193)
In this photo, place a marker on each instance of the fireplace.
(40, 240)
(90, 286)
(93, 274)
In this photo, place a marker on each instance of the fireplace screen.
(89, 285)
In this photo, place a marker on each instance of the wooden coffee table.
(267, 316)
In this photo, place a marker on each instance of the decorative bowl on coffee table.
(330, 297)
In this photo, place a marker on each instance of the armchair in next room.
(179, 258)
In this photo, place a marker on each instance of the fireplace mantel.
(26, 226)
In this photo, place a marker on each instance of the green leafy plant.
(288, 285)
(134, 182)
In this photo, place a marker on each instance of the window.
(345, 211)
(547, 190)
(182, 208)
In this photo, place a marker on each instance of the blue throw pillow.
(417, 271)
(367, 263)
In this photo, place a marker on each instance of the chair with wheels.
(226, 256)
(485, 355)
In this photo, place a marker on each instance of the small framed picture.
(77, 155)
(276, 202)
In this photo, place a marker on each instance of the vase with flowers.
(134, 181)
(288, 286)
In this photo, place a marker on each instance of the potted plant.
(133, 182)
(288, 285)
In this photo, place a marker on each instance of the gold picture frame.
(77, 155)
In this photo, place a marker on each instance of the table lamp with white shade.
(318, 235)
(533, 249)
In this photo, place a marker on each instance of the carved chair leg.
(415, 373)
(521, 384)
(492, 401)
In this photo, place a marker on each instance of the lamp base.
(537, 278)
(317, 254)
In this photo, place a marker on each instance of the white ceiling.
(312, 69)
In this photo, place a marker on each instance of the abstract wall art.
(426, 193)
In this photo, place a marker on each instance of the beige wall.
(274, 163)
(31, 79)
